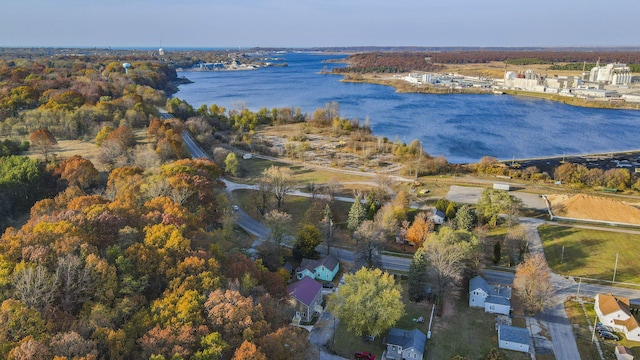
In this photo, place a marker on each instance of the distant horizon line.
(449, 47)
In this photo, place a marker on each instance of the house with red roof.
(615, 312)
(308, 296)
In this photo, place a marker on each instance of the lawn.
(591, 253)
(469, 332)
(346, 344)
(298, 207)
(463, 331)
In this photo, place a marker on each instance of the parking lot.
(471, 195)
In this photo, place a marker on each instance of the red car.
(365, 355)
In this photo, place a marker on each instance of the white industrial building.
(522, 81)
(611, 74)
(419, 78)
(564, 82)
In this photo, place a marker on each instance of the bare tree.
(518, 243)
(74, 282)
(370, 238)
(262, 196)
(279, 223)
(446, 265)
(34, 286)
(327, 226)
(280, 180)
(448, 253)
(384, 183)
(181, 195)
(331, 188)
(532, 283)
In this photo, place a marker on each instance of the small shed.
(513, 338)
(623, 353)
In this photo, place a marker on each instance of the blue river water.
(461, 127)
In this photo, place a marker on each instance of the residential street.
(554, 319)
(322, 335)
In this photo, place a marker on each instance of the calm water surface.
(463, 128)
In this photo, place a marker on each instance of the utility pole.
(593, 334)
(562, 256)
(419, 158)
(615, 268)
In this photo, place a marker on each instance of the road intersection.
(554, 318)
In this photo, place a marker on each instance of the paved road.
(322, 335)
(554, 318)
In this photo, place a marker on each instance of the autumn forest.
(132, 257)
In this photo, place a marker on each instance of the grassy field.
(591, 253)
(300, 208)
(253, 168)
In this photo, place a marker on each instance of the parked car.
(235, 207)
(609, 336)
(365, 355)
(601, 327)
(327, 285)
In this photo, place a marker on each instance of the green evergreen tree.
(357, 214)
(418, 276)
(497, 252)
(442, 204)
(371, 205)
(451, 210)
(465, 218)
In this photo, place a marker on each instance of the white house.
(494, 299)
(513, 338)
(438, 217)
(405, 344)
(615, 312)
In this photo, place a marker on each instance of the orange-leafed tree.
(78, 171)
(248, 351)
(44, 141)
(419, 229)
(123, 135)
(235, 316)
(532, 283)
(287, 343)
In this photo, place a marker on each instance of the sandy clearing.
(591, 207)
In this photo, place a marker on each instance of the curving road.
(554, 318)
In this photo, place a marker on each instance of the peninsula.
(568, 77)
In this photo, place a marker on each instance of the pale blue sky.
(307, 23)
